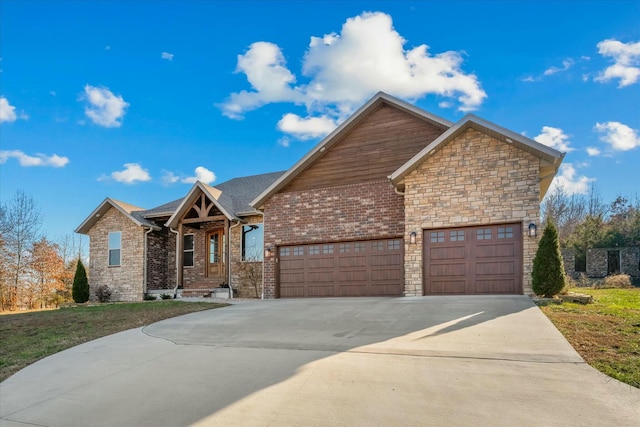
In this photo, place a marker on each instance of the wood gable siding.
(373, 150)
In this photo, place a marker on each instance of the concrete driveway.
(427, 361)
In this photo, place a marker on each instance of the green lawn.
(28, 337)
(605, 333)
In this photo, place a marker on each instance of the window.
(437, 236)
(285, 251)
(252, 242)
(327, 249)
(456, 236)
(187, 250)
(115, 244)
(298, 250)
(344, 247)
(505, 232)
(393, 245)
(314, 250)
(359, 247)
(377, 246)
(483, 234)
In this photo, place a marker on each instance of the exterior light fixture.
(412, 238)
(267, 251)
(533, 230)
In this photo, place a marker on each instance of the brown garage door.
(473, 260)
(367, 268)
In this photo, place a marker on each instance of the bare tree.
(565, 210)
(20, 222)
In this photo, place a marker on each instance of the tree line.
(587, 221)
(35, 272)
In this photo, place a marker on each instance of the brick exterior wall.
(125, 280)
(475, 179)
(361, 211)
(243, 288)
(161, 261)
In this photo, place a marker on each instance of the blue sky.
(135, 100)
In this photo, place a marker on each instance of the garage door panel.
(450, 252)
(447, 270)
(483, 259)
(448, 286)
(360, 268)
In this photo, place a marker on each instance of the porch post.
(227, 250)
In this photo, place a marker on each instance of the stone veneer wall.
(125, 280)
(244, 290)
(597, 261)
(474, 179)
(569, 261)
(361, 211)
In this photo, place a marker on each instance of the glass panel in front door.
(216, 254)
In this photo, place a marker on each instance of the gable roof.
(551, 158)
(340, 132)
(134, 213)
(230, 197)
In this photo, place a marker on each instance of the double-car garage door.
(364, 268)
(473, 260)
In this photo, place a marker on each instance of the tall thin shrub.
(548, 270)
(80, 290)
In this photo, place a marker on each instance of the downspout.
(175, 290)
(229, 258)
(146, 262)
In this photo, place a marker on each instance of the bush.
(149, 297)
(80, 289)
(103, 293)
(548, 277)
(621, 281)
(165, 296)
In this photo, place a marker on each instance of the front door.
(215, 256)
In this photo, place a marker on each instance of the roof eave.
(100, 210)
(189, 199)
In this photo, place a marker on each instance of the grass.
(28, 337)
(606, 333)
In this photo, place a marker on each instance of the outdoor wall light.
(533, 230)
(267, 251)
(412, 238)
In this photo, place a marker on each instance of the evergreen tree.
(548, 271)
(80, 290)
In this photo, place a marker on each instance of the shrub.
(80, 289)
(622, 281)
(165, 296)
(149, 297)
(103, 293)
(548, 277)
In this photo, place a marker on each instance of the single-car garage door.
(365, 268)
(473, 260)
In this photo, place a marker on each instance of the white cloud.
(105, 108)
(202, 174)
(7, 111)
(131, 173)
(345, 69)
(306, 128)
(554, 138)
(568, 181)
(566, 64)
(593, 151)
(166, 55)
(37, 160)
(626, 58)
(621, 137)
(169, 178)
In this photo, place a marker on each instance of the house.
(395, 201)
(602, 262)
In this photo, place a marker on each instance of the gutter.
(263, 257)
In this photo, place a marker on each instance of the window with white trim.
(115, 246)
(187, 250)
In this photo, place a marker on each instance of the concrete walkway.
(428, 361)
